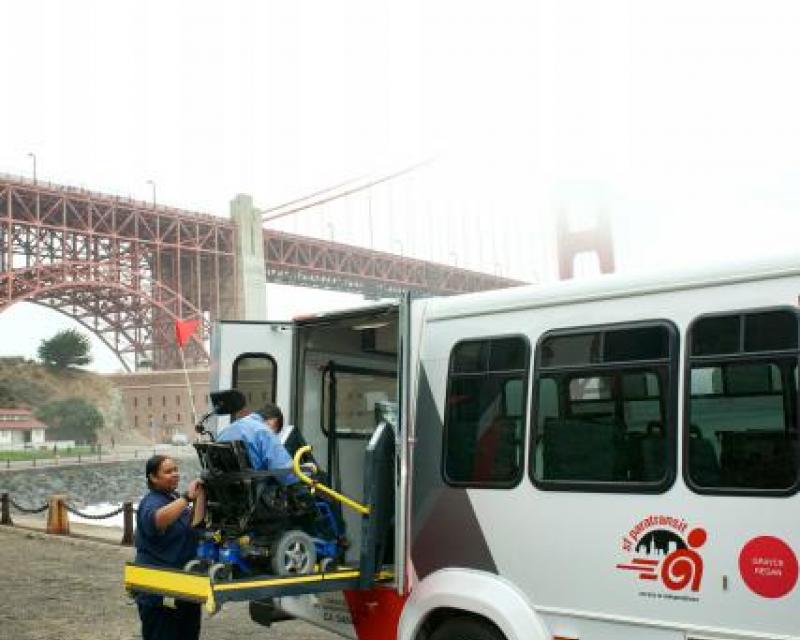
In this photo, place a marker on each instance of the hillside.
(25, 383)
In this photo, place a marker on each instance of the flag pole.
(183, 332)
(188, 386)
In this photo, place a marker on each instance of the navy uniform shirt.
(172, 547)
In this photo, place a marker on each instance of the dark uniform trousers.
(162, 622)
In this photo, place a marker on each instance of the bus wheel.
(466, 628)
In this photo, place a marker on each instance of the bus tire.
(466, 628)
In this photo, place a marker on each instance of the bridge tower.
(596, 240)
(251, 280)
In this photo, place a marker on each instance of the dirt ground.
(54, 588)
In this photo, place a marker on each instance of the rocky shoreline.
(98, 483)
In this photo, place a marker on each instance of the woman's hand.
(193, 489)
(169, 513)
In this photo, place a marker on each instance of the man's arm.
(274, 455)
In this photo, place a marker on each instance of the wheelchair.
(252, 524)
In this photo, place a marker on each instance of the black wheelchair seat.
(241, 500)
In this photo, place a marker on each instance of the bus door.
(257, 359)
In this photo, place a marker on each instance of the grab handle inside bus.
(318, 486)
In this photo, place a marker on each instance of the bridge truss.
(126, 270)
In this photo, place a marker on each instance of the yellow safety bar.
(317, 486)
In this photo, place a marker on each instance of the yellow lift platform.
(200, 588)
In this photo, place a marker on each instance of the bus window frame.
(669, 398)
(263, 356)
(517, 479)
(741, 357)
(348, 434)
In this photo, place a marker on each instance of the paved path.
(66, 588)
(106, 456)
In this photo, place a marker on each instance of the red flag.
(184, 330)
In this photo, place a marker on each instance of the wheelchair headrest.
(227, 402)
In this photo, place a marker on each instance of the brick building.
(157, 403)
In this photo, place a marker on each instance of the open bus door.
(257, 358)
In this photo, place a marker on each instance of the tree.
(71, 419)
(68, 348)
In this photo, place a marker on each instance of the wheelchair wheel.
(195, 566)
(294, 554)
(220, 572)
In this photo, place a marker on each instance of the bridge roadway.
(56, 587)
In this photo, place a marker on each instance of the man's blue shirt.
(264, 448)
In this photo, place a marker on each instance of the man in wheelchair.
(257, 517)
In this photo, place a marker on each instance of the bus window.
(604, 415)
(254, 375)
(741, 416)
(484, 416)
(357, 393)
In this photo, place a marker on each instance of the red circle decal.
(697, 537)
(768, 566)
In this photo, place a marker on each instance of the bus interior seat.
(292, 440)
(703, 464)
(756, 458)
(582, 449)
(495, 449)
(650, 453)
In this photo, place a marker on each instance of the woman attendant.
(165, 538)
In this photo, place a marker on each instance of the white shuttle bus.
(607, 459)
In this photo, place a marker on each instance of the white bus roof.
(609, 286)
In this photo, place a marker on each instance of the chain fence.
(93, 516)
(30, 510)
(57, 521)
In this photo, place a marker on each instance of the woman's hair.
(153, 465)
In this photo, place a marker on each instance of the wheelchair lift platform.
(200, 588)
(371, 570)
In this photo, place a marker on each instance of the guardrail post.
(57, 518)
(127, 524)
(5, 510)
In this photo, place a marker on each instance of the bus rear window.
(741, 417)
(254, 374)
